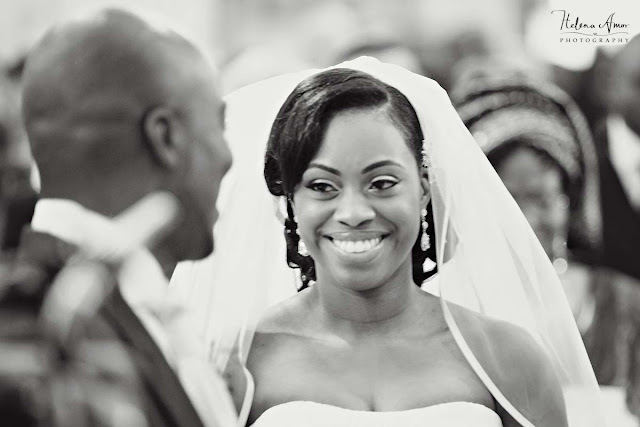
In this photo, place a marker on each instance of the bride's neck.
(384, 308)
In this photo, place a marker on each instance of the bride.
(346, 152)
(376, 173)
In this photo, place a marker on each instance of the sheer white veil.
(488, 258)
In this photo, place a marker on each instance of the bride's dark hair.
(297, 134)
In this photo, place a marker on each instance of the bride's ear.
(426, 187)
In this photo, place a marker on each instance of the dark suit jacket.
(142, 377)
(620, 222)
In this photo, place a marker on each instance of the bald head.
(90, 82)
(116, 108)
(108, 67)
(110, 51)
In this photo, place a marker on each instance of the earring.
(425, 158)
(425, 240)
(302, 248)
(293, 220)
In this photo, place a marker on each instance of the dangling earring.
(425, 240)
(291, 226)
(302, 248)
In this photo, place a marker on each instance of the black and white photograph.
(322, 213)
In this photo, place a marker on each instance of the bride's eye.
(321, 186)
(383, 183)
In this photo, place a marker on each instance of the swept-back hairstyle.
(298, 132)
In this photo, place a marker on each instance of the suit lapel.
(40, 257)
(156, 372)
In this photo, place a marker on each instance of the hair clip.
(425, 158)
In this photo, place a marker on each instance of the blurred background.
(589, 86)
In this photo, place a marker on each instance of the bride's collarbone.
(392, 375)
(294, 358)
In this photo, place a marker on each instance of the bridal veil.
(488, 258)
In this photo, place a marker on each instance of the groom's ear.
(163, 136)
(426, 187)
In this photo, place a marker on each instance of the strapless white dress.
(312, 414)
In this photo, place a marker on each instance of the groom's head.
(116, 108)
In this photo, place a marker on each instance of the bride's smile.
(357, 251)
(356, 246)
(358, 203)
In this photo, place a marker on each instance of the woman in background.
(540, 145)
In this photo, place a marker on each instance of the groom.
(117, 109)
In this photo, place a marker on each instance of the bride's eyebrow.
(379, 164)
(325, 168)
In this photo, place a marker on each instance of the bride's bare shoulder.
(282, 327)
(514, 341)
(513, 349)
(285, 316)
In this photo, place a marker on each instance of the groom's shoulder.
(94, 359)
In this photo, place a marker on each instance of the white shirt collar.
(141, 279)
(144, 287)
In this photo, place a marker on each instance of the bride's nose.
(353, 209)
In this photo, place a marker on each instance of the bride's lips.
(357, 243)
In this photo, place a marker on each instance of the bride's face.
(358, 203)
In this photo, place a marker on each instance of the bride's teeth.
(358, 246)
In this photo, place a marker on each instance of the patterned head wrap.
(514, 110)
